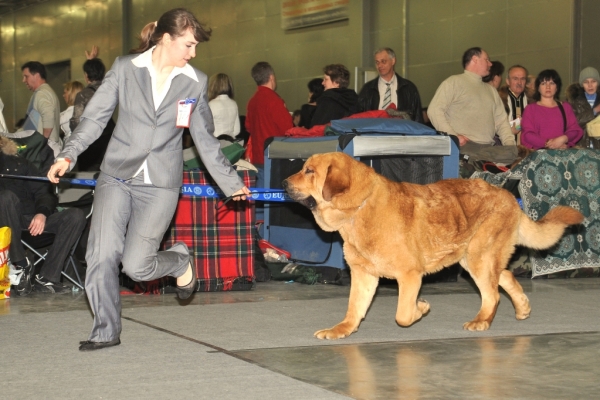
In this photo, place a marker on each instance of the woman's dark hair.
(547, 75)
(220, 84)
(315, 86)
(174, 22)
(338, 74)
(497, 69)
(94, 69)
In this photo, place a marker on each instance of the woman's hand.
(58, 169)
(558, 143)
(241, 194)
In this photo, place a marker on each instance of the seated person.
(224, 109)
(29, 204)
(70, 90)
(548, 124)
(494, 78)
(337, 100)
(315, 90)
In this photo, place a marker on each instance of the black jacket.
(408, 98)
(333, 104)
(36, 197)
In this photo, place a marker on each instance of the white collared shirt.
(383, 87)
(144, 60)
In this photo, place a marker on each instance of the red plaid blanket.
(222, 240)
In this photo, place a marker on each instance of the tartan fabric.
(222, 240)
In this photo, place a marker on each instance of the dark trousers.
(66, 225)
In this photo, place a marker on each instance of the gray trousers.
(128, 223)
(486, 152)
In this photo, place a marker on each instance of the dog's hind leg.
(362, 289)
(515, 291)
(482, 268)
(410, 310)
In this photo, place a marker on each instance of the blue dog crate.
(411, 152)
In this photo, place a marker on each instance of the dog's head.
(334, 179)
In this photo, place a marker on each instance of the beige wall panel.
(247, 10)
(273, 7)
(430, 43)
(225, 65)
(427, 11)
(590, 50)
(549, 29)
(289, 66)
(251, 35)
(558, 59)
(427, 78)
(469, 7)
(486, 30)
(275, 37)
(219, 13)
(388, 14)
(222, 42)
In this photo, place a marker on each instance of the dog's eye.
(308, 171)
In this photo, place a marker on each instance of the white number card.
(184, 112)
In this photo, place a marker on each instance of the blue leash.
(258, 194)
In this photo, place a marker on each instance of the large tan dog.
(403, 231)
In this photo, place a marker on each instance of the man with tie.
(390, 89)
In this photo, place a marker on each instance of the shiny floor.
(557, 366)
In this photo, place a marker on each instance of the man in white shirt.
(43, 112)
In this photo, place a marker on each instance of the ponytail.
(174, 22)
(145, 38)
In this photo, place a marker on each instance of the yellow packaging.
(4, 269)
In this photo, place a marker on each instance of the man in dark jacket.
(31, 205)
(390, 88)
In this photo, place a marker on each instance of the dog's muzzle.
(308, 201)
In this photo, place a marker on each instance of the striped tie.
(387, 98)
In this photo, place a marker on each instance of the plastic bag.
(4, 267)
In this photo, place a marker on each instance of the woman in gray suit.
(158, 94)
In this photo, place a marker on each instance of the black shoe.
(88, 345)
(183, 292)
(43, 285)
(24, 287)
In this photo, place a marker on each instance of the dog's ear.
(336, 182)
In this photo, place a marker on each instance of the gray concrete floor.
(558, 365)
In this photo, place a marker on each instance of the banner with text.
(301, 13)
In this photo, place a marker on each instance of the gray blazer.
(143, 133)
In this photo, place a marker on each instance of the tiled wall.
(57, 30)
(533, 33)
(432, 34)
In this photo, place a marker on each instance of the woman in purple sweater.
(544, 125)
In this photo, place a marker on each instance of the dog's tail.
(547, 231)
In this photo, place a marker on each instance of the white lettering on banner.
(197, 190)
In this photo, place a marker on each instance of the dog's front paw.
(476, 326)
(339, 331)
(423, 306)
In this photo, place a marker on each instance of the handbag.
(593, 127)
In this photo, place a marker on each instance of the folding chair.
(37, 245)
